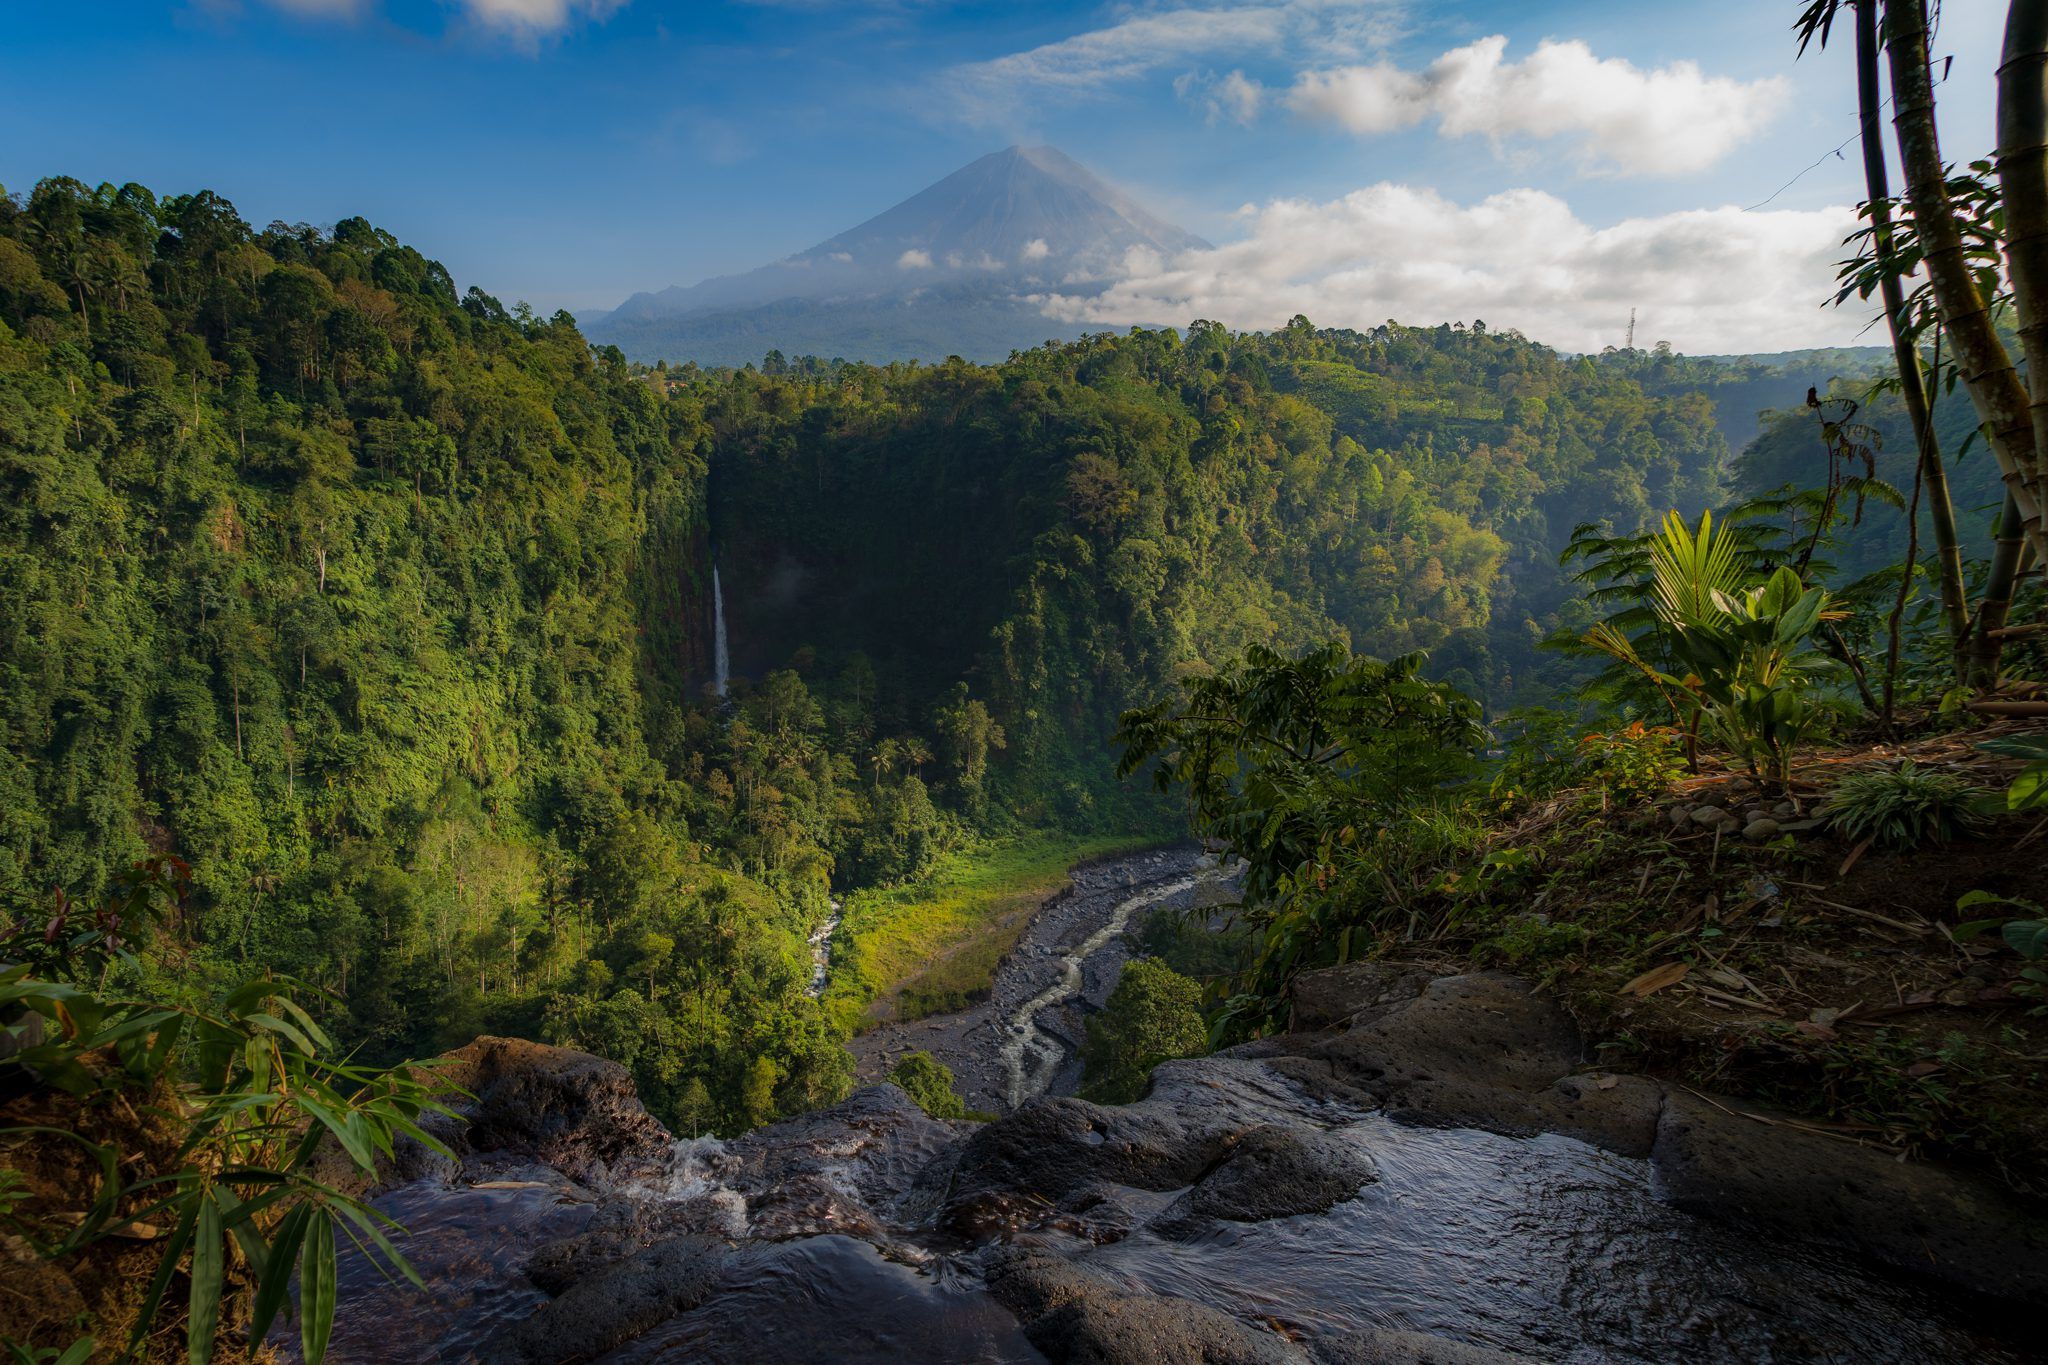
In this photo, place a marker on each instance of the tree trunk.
(1932, 479)
(1987, 371)
(1988, 642)
(2023, 179)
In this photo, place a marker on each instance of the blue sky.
(569, 152)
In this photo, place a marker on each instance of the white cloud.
(1036, 249)
(842, 256)
(1087, 63)
(1670, 120)
(1707, 280)
(525, 20)
(1236, 96)
(322, 9)
(914, 260)
(533, 18)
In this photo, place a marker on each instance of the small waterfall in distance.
(721, 661)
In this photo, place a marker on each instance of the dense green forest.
(388, 610)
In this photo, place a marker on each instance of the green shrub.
(929, 1081)
(1904, 807)
(1153, 1016)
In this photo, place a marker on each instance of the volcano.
(952, 270)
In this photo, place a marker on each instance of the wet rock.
(1336, 995)
(620, 1229)
(1480, 1050)
(1604, 1109)
(1074, 1315)
(618, 1303)
(1277, 1172)
(1760, 830)
(842, 1169)
(1195, 1113)
(1910, 1215)
(562, 1108)
(1385, 1346)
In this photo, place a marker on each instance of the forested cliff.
(387, 609)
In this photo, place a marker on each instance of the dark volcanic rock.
(1076, 1316)
(1354, 992)
(1912, 1215)
(619, 1302)
(561, 1108)
(1195, 1114)
(842, 1169)
(1278, 1172)
(1388, 1347)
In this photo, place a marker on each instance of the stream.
(1034, 1054)
(870, 1233)
(1023, 1041)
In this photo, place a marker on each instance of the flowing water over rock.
(1394, 1183)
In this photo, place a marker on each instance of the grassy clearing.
(908, 951)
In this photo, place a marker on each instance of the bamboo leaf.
(316, 1286)
(208, 1255)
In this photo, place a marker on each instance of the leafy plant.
(1330, 777)
(252, 1095)
(1153, 1015)
(2026, 936)
(1904, 807)
(1726, 654)
(2029, 790)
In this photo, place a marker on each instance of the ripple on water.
(1549, 1247)
(835, 1299)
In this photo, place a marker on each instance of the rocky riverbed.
(1424, 1170)
(1023, 1041)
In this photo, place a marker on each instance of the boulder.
(1194, 1114)
(1715, 1161)
(1276, 1172)
(1079, 1318)
(553, 1105)
(1333, 996)
(1478, 1051)
(618, 1303)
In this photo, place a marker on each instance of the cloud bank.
(1088, 63)
(1670, 120)
(1706, 280)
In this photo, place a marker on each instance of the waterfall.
(721, 661)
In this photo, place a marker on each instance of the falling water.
(821, 951)
(721, 661)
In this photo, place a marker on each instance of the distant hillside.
(948, 271)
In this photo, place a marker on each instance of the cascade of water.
(721, 661)
(821, 950)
